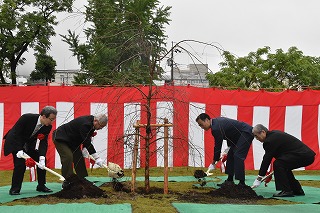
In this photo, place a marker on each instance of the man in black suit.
(239, 138)
(289, 153)
(22, 138)
(71, 137)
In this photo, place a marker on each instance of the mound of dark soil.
(80, 188)
(235, 191)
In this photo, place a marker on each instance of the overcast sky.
(239, 26)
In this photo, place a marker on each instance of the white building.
(192, 74)
(64, 77)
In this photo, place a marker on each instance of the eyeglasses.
(51, 119)
(100, 125)
(257, 134)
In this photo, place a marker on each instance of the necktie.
(36, 129)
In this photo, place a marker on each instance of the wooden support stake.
(166, 133)
(137, 127)
(135, 156)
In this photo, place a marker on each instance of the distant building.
(21, 80)
(193, 74)
(64, 77)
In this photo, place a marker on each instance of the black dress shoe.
(11, 192)
(284, 194)
(43, 189)
(299, 192)
(226, 183)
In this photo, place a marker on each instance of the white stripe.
(260, 116)
(65, 114)
(132, 113)
(1, 125)
(195, 136)
(100, 141)
(293, 123)
(164, 110)
(29, 107)
(229, 111)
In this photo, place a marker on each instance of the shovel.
(25, 156)
(114, 170)
(265, 177)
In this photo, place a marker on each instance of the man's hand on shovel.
(114, 170)
(25, 156)
(260, 179)
(210, 168)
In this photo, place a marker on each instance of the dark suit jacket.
(76, 132)
(19, 136)
(283, 146)
(228, 129)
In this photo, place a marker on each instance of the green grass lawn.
(155, 200)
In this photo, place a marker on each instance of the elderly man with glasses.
(289, 153)
(71, 137)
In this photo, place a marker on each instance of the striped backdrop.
(294, 112)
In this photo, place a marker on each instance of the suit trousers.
(237, 155)
(20, 168)
(70, 159)
(283, 176)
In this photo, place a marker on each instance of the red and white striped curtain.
(294, 112)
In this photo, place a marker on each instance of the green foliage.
(123, 41)
(44, 69)
(26, 24)
(263, 69)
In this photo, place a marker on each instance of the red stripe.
(115, 133)
(180, 132)
(309, 131)
(245, 114)
(277, 118)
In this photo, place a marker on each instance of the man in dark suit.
(29, 135)
(239, 138)
(71, 137)
(289, 153)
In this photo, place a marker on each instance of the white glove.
(42, 162)
(85, 152)
(211, 167)
(97, 159)
(226, 150)
(20, 154)
(257, 182)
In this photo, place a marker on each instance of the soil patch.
(80, 188)
(235, 191)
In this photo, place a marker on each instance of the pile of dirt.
(235, 191)
(80, 188)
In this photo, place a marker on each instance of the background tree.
(117, 39)
(45, 68)
(263, 69)
(24, 25)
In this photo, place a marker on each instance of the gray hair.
(102, 119)
(259, 128)
(48, 110)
